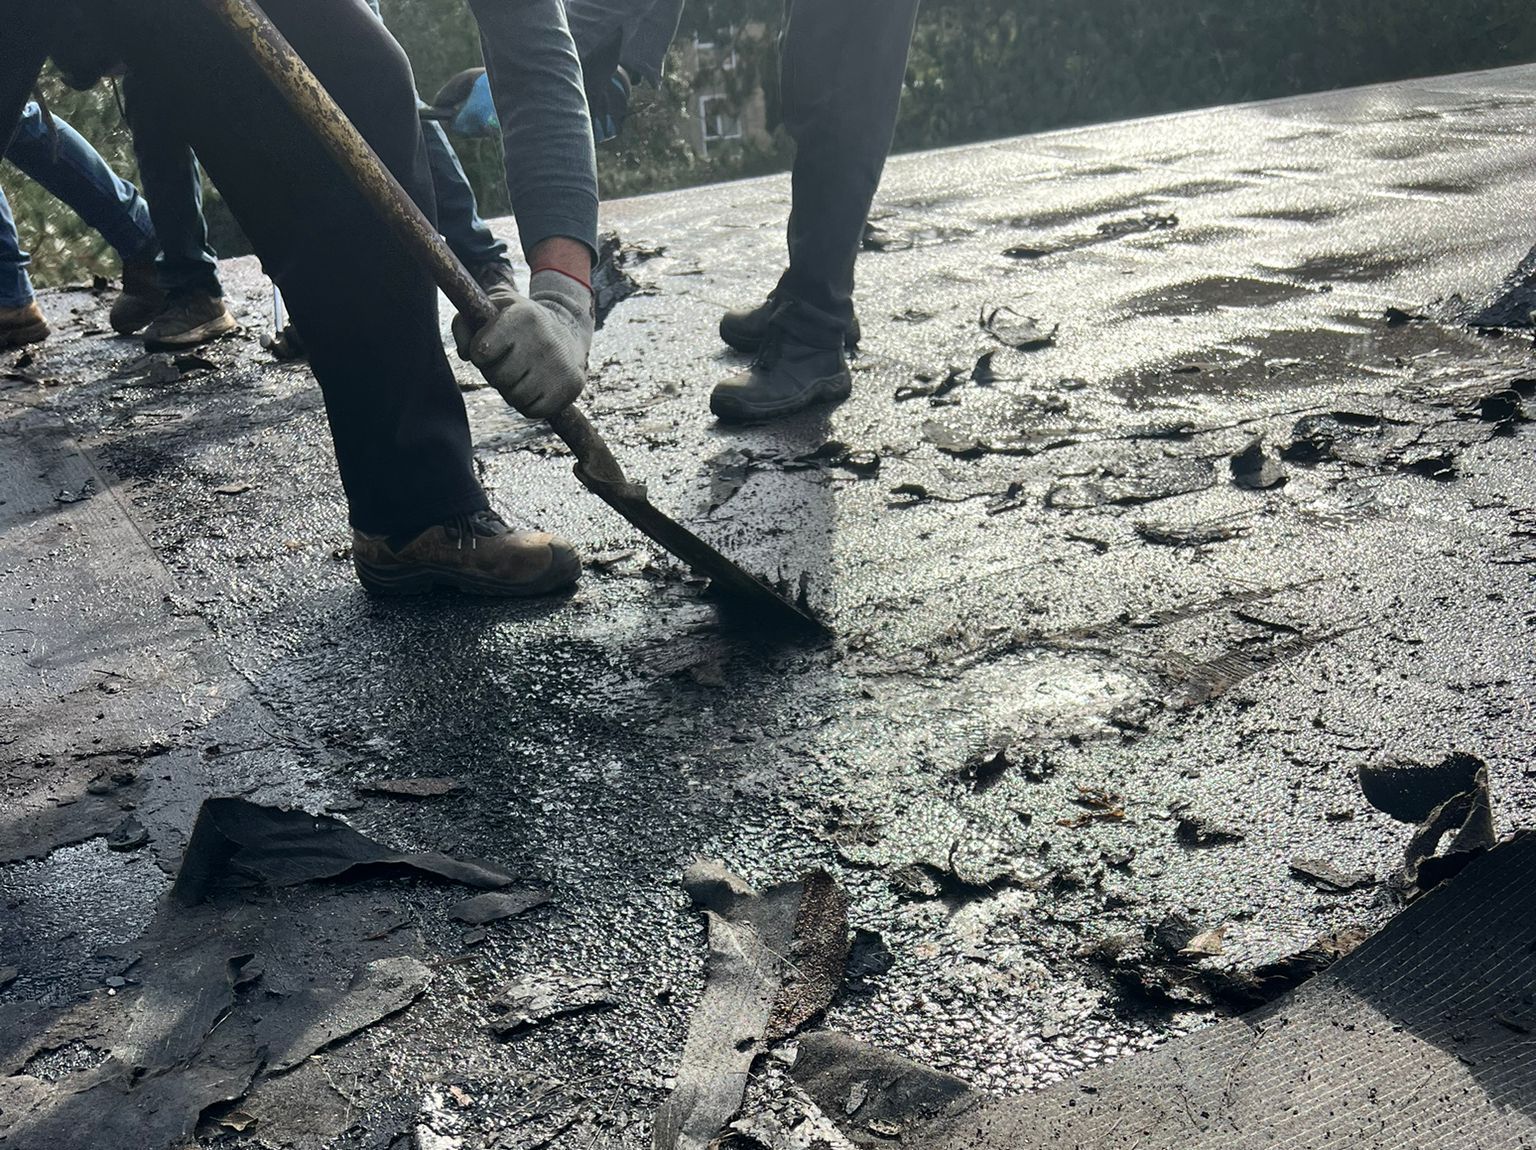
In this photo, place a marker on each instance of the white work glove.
(535, 352)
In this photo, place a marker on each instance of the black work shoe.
(745, 328)
(189, 321)
(141, 300)
(475, 553)
(785, 378)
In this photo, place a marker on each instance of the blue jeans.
(71, 169)
(458, 213)
(15, 284)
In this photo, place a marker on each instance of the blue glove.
(464, 104)
(478, 115)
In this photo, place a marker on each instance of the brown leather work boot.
(141, 301)
(478, 554)
(19, 325)
(189, 321)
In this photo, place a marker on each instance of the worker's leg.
(844, 62)
(645, 48)
(67, 166)
(20, 319)
(15, 284)
(458, 213)
(367, 310)
(174, 187)
(843, 66)
(29, 34)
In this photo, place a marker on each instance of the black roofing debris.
(412, 788)
(985, 769)
(383, 987)
(1196, 830)
(1106, 232)
(239, 841)
(868, 958)
(537, 999)
(1397, 317)
(1255, 468)
(1120, 486)
(1165, 534)
(128, 835)
(1327, 877)
(1016, 330)
(611, 283)
(1320, 438)
(1182, 965)
(730, 470)
(79, 810)
(1417, 1038)
(1514, 305)
(236, 983)
(967, 446)
(1193, 684)
(1451, 805)
(776, 961)
(887, 232)
(877, 239)
(937, 391)
(493, 906)
(874, 1097)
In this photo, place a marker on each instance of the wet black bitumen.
(1079, 588)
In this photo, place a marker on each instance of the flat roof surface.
(1052, 563)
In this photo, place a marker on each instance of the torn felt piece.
(775, 962)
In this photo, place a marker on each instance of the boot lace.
(477, 525)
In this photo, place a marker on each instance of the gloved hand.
(535, 351)
(465, 105)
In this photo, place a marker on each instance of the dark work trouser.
(367, 310)
(635, 33)
(844, 62)
(188, 265)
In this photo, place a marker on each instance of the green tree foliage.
(980, 69)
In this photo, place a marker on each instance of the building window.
(718, 120)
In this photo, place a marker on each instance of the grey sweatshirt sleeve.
(546, 130)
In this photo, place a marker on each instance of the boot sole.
(196, 337)
(21, 336)
(394, 582)
(733, 409)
